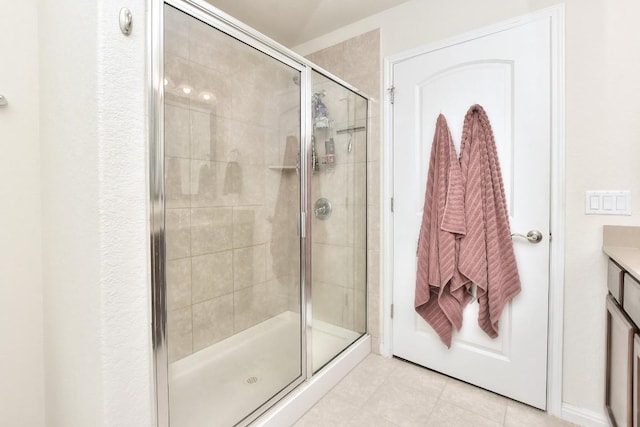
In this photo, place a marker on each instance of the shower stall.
(258, 190)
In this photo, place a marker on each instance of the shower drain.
(252, 380)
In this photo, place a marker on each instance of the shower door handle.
(533, 236)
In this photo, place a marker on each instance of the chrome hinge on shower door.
(392, 311)
(392, 94)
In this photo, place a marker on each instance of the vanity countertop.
(622, 244)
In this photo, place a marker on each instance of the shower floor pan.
(221, 384)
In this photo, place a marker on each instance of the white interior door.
(508, 72)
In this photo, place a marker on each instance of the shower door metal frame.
(219, 20)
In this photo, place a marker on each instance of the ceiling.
(292, 22)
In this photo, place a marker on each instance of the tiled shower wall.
(357, 61)
(231, 121)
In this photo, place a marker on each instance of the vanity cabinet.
(619, 371)
(623, 347)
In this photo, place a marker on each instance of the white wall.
(602, 142)
(95, 220)
(21, 354)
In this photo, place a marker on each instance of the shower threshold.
(226, 381)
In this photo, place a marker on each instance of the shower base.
(226, 381)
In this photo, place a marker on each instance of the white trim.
(386, 340)
(557, 226)
(556, 271)
(583, 417)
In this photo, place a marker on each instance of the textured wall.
(93, 132)
(21, 326)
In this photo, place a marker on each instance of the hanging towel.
(441, 291)
(486, 252)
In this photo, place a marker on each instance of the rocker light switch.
(607, 202)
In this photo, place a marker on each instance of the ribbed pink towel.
(486, 252)
(465, 235)
(440, 293)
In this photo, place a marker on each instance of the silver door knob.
(533, 236)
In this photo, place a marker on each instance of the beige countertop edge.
(622, 244)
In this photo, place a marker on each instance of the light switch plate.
(607, 202)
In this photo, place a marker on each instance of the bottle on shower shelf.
(320, 113)
(329, 151)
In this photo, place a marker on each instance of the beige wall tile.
(212, 321)
(363, 53)
(177, 182)
(249, 226)
(373, 143)
(178, 283)
(251, 141)
(210, 47)
(373, 225)
(202, 129)
(253, 185)
(211, 230)
(251, 306)
(332, 230)
(176, 37)
(208, 81)
(178, 233)
(212, 275)
(204, 183)
(331, 59)
(333, 304)
(179, 333)
(249, 266)
(177, 75)
(373, 183)
(177, 134)
(331, 264)
(283, 258)
(330, 184)
(360, 313)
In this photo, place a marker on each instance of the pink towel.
(486, 253)
(440, 289)
(465, 235)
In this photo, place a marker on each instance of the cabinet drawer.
(631, 297)
(619, 367)
(614, 281)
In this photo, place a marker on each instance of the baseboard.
(583, 417)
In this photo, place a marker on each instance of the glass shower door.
(339, 223)
(232, 202)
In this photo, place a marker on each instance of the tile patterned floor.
(393, 393)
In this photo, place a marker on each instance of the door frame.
(555, 14)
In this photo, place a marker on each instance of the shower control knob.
(322, 208)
